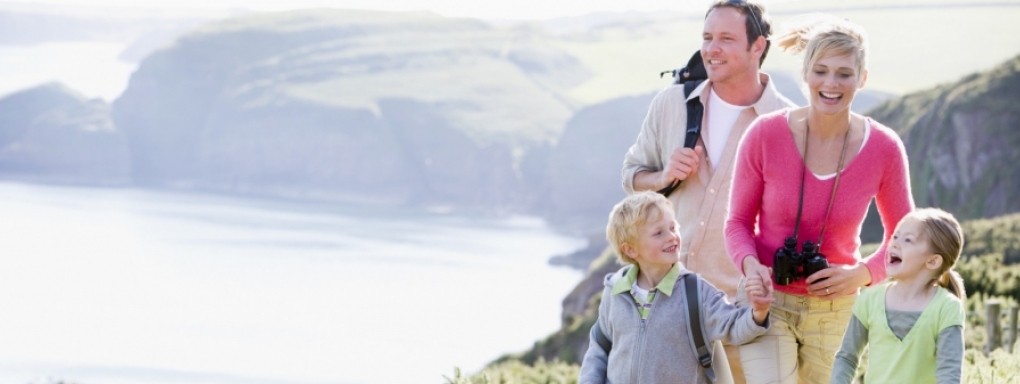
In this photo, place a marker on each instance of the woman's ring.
(826, 291)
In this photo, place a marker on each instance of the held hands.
(759, 289)
(838, 281)
(682, 164)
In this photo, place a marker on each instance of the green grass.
(516, 372)
(999, 367)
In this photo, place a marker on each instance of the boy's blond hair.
(629, 215)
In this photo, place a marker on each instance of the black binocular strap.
(835, 185)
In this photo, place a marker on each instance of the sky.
(515, 9)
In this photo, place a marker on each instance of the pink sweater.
(766, 187)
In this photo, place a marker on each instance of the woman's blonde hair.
(629, 215)
(945, 238)
(821, 36)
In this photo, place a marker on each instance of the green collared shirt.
(626, 284)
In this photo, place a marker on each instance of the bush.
(998, 367)
(517, 372)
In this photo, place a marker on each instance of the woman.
(809, 174)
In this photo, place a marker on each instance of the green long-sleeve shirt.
(931, 353)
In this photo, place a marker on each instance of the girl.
(914, 323)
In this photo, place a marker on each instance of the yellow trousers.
(801, 343)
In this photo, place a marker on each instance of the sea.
(123, 285)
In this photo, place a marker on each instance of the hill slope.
(51, 133)
(960, 139)
(395, 107)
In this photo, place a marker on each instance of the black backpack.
(691, 76)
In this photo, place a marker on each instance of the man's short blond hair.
(629, 215)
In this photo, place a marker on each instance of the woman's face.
(832, 82)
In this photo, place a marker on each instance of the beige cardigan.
(701, 202)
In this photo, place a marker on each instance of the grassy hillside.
(957, 136)
(984, 273)
(383, 107)
(477, 76)
(999, 367)
(556, 358)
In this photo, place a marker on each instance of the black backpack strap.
(596, 329)
(701, 348)
(600, 337)
(695, 113)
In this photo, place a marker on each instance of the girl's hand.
(838, 281)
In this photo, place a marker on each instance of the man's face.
(724, 46)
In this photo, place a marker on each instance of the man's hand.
(682, 164)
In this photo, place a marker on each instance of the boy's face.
(658, 241)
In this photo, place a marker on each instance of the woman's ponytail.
(820, 35)
(795, 39)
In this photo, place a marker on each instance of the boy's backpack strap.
(600, 337)
(694, 327)
(596, 329)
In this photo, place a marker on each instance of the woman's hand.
(753, 268)
(838, 281)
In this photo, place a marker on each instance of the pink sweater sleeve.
(893, 201)
(745, 197)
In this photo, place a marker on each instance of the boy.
(643, 311)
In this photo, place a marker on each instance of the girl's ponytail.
(945, 238)
(953, 282)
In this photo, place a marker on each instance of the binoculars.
(788, 265)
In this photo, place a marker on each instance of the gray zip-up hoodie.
(658, 349)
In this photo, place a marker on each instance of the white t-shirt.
(721, 117)
(641, 293)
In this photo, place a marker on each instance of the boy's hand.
(759, 293)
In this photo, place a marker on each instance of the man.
(734, 44)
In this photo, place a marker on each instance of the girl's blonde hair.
(629, 215)
(821, 36)
(945, 238)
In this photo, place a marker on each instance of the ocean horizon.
(124, 285)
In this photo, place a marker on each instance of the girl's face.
(909, 254)
(832, 83)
